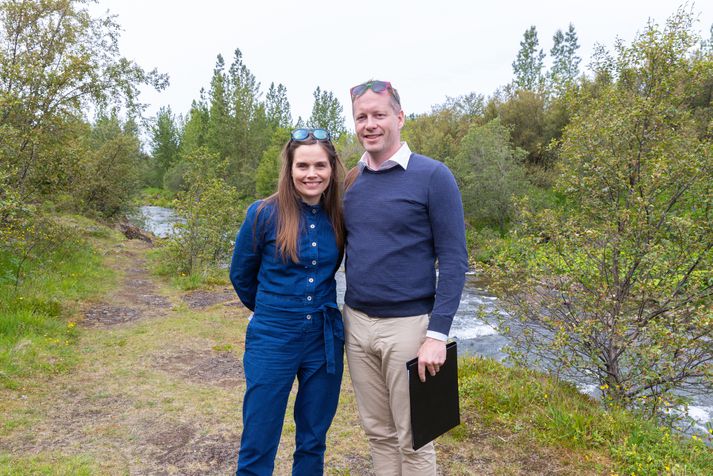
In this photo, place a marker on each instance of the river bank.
(474, 325)
(155, 387)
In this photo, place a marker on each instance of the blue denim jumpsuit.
(296, 331)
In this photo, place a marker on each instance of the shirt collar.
(307, 207)
(401, 157)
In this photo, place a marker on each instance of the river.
(475, 336)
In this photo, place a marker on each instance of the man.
(403, 211)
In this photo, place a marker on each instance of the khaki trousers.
(377, 351)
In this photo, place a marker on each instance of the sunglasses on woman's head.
(376, 86)
(300, 135)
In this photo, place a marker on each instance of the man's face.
(377, 125)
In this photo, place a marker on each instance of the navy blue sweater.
(398, 223)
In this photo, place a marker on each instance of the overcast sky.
(428, 50)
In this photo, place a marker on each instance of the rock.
(133, 232)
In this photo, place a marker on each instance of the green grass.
(51, 465)
(162, 264)
(36, 333)
(156, 196)
(542, 411)
(515, 420)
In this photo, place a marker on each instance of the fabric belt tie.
(333, 327)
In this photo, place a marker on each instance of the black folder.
(434, 403)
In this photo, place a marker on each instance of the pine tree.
(164, 142)
(277, 107)
(219, 123)
(565, 62)
(528, 65)
(249, 134)
(327, 113)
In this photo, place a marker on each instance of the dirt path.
(140, 399)
(158, 386)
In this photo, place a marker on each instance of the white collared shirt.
(401, 157)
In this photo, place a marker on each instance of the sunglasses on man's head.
(300, 135)
(376, 86)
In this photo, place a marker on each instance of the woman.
(286, 254)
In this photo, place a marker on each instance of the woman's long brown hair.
(288, 200)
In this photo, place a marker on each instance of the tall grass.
(541, 410)
(38, 298)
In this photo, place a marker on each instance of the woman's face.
(311, 172)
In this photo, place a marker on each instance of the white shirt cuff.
(436, 335)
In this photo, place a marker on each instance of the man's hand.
(431, 356)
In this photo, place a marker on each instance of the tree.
(193, 137)
(55, 60)
(490, 174)
(437, 134)
(327, 113)
(211, 209)
(108, 177)
(616, 284)
(277, 107)
(528, 65)
(220, 124)
(471, 105)
(268, 171)
(250, 134)
(524, 113)
(349, 149)
(565, 62)
(164, 142)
